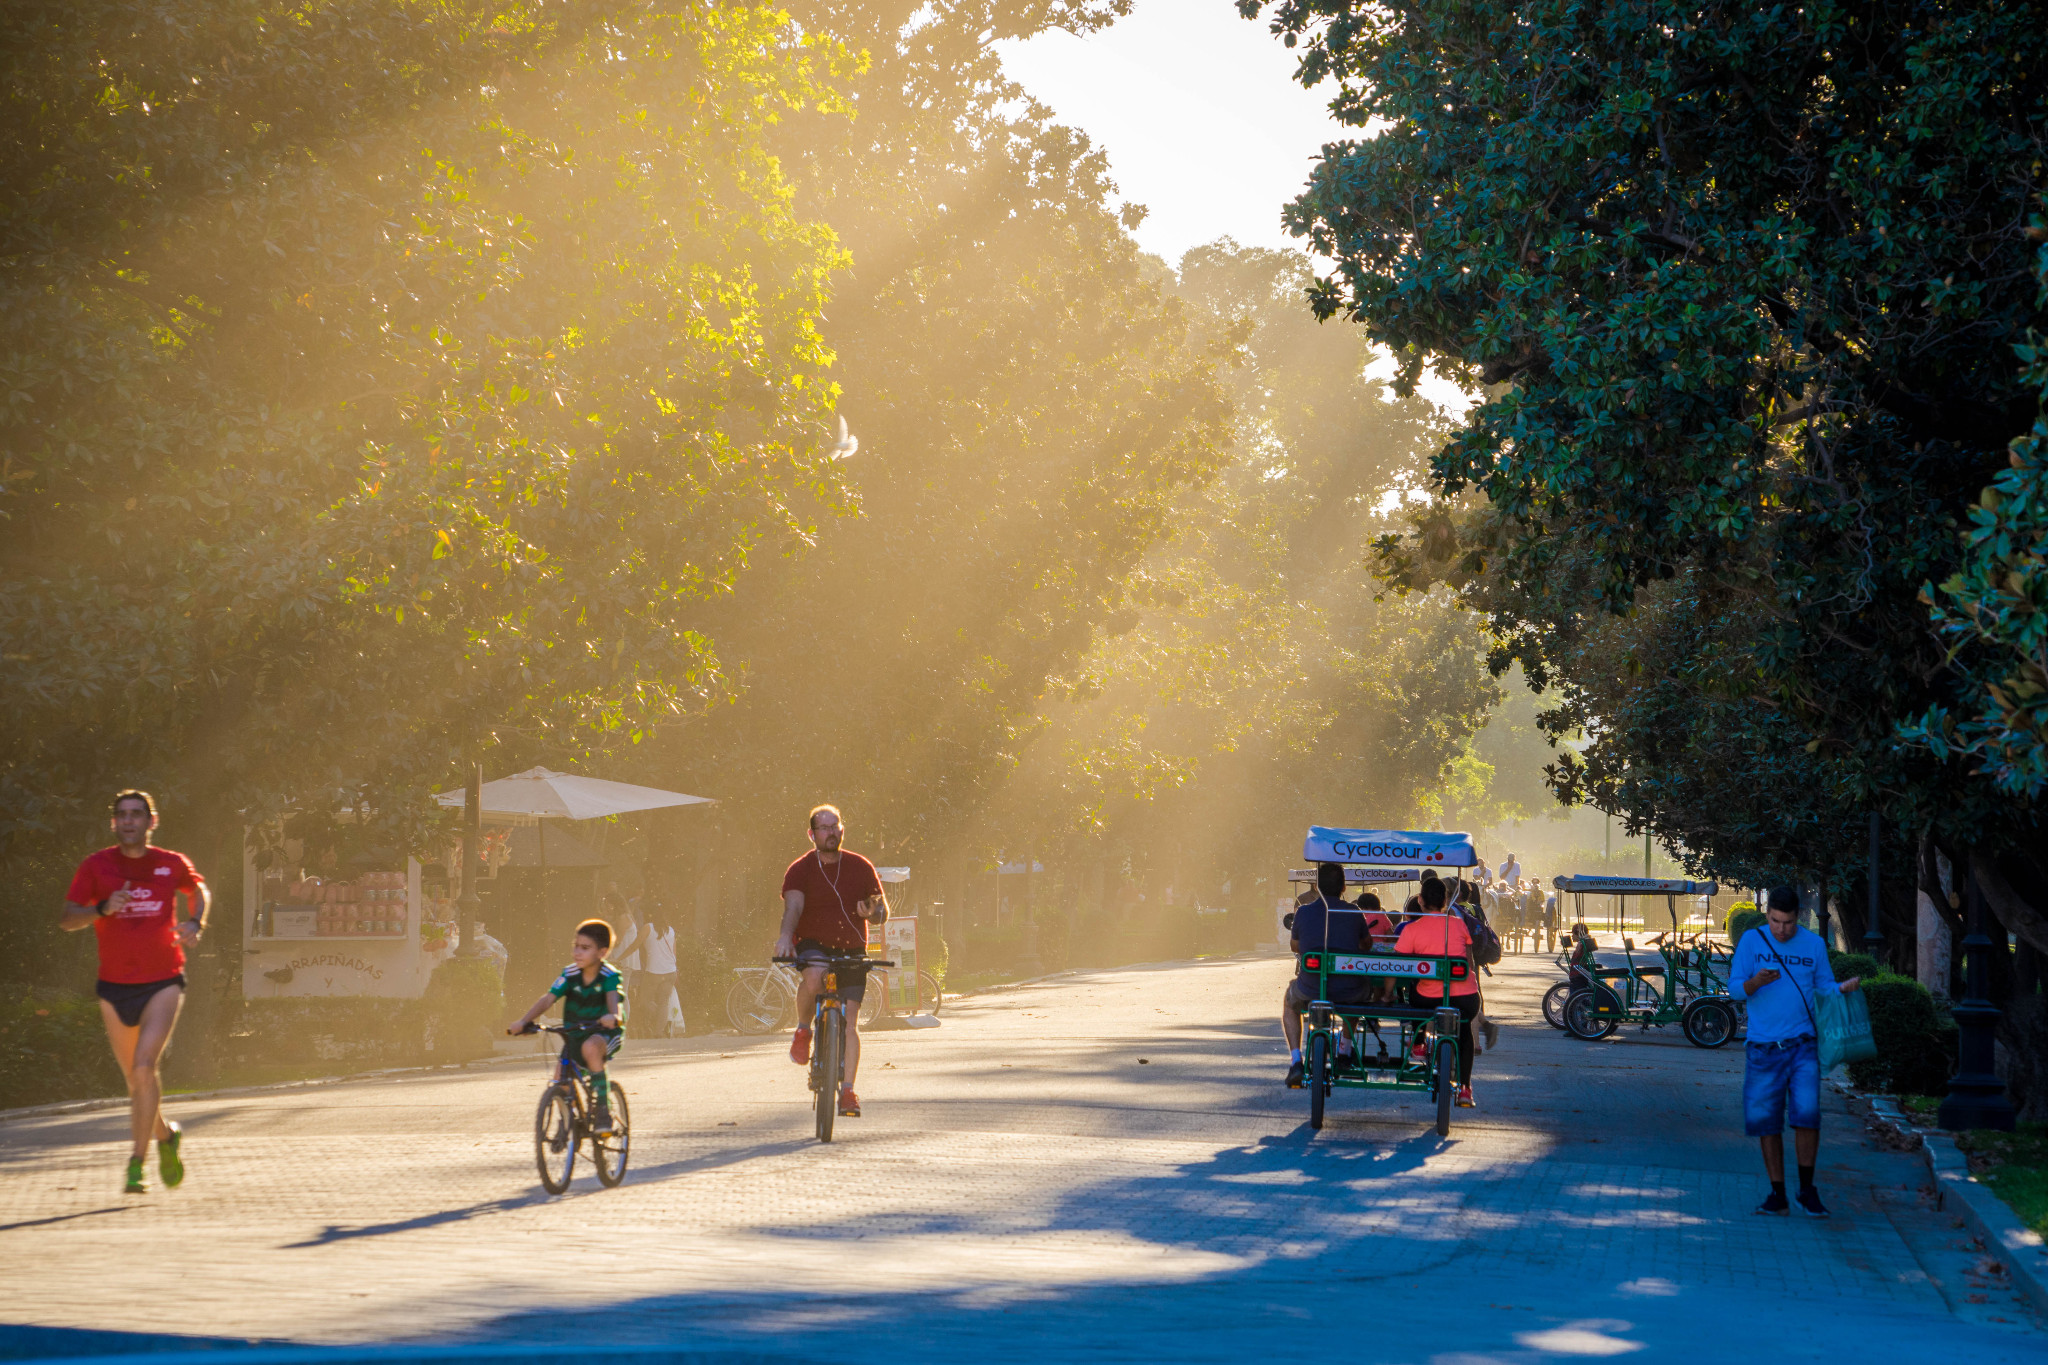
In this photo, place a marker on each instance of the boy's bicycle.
(828, 1033)
(562, 1124)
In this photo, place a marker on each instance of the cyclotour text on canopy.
(1428, 848)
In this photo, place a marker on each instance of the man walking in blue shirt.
(1781, 969)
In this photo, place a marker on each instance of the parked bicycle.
(763, 1000)
(562, 1125)
(828, 1032)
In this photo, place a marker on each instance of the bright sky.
(1199, 112)
(1203, 122)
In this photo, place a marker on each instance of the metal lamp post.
(1873, 932)
(472, 835)
(1976, 1097)
(1029, 964)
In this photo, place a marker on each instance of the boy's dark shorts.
(572, 1042)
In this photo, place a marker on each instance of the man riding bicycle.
(829, 897)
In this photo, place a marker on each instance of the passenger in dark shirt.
(1329, 923)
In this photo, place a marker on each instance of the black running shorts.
(129, 997)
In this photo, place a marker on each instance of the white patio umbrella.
(568, 796)
(547, 795)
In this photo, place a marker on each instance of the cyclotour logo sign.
(1346, 848)
(1385, 966)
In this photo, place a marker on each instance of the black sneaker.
(1776, 1203)
(1809, 1199)
(1294, 1075)
(601, 1120)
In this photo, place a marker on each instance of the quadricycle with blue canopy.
(1381, 1034)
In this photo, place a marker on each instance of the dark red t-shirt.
(141, 943)
(832, 897)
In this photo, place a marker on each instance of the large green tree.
(1028, 405)
(1998, 600)
(385, 381)
(1254, 681)
(1748, 281)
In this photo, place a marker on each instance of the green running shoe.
(169, 1164)
(136, 1184)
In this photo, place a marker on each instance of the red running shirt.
(832, 897)
(141, 943)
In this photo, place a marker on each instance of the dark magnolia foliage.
(385, 381)
(1749, 278)
(1999, 599)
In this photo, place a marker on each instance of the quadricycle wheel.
(1318, 1078)
(1553, 1004)
(1708, 1023)
(1446, 1084)
(1582, 1018)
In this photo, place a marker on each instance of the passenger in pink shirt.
(1438, 933)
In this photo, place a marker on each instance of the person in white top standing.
(624, 917)
(657, 967)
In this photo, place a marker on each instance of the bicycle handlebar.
(592, 1027)
(848, 961)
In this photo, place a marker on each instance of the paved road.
(1098, 1167)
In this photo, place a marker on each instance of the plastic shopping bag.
(1845, 1034)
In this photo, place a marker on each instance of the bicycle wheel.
(933, 996)
(554, 1138)
(830, 1043)
(1580, 1020)
(1318, 1077)
(608, 1151)
(1446, 1084)
(1553, 1004)
(757, 1003)
(875, 1001)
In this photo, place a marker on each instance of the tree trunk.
(2023, 1029)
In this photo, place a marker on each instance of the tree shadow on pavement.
(336, 1232)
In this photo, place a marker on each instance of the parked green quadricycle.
(1679, 985)
(1390, 1044)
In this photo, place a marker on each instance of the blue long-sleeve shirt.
(1777, 1010)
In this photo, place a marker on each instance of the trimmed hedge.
(1743, 916)
(463, 1010)
(1916, 1045)
(1846, 965)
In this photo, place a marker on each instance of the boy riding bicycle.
(591, 994)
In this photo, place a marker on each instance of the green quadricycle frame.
(1387, 1044)
(1334, 1037)
(1682, 984)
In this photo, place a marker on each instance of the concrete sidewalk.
(1102, 1166)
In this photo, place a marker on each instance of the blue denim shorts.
(1775, 1075)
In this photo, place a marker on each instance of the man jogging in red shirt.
(828, 898)
(129, 896)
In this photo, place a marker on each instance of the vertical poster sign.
(899, 943)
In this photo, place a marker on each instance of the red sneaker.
(849, 1103)
(800, 1047)
(1465, 1100)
